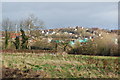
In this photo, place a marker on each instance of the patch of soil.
(16, 73)
(27, 51)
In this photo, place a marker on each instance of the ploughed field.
(30, 65)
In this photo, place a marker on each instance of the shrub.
(6, 39)
(42, 45)
(106, 46)
(24, 43)
(101, 46)
(17, 42)
(88, 48)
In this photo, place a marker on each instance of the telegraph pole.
(29, 29)
(16, 27)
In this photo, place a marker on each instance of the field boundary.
(28, 51)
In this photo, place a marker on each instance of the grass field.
(59, 66)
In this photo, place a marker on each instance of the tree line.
(28, 24)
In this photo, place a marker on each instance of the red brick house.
(13, 35)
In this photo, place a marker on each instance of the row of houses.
(11, 35)
(93, 31)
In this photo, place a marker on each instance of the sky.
(65, 14)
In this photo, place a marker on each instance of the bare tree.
(7, 24)
(21, 24)
(32, 23)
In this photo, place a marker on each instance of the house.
(116, 41)
(95, 29)
(13, 35)
(70, 33)
(53, 32)
(43, 32)
(2, 36)
(65, 32)
(47, 32)
(82, 27)
(99, 35)
(115, 31)
(49, 40)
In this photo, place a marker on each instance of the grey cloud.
(88, 14)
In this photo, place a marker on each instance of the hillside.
(67, 39)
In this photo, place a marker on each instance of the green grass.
(65, 66)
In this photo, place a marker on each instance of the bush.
(6, 39)
(42, 45)
(24, 43)
(106, 46)
(88, 48)
(101, 46)
(17, 42)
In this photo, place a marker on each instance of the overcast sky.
(65, 14)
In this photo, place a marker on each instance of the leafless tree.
(32, 23)
(7, 24)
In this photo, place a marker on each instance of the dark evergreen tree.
(24, 40)
(17, 42)
(6, 39)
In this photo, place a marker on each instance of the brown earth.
(16, 73)
(27, 51)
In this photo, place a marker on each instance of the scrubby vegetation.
(43, 45)
(27, 65)
(104, 46)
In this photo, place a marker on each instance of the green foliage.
(24, 40)
(37, 67)
(6, 39)
(17, 42)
